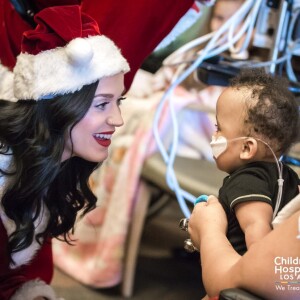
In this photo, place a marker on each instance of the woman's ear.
(249, 149)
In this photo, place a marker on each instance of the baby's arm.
(255, 219)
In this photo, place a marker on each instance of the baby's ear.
(249, 149)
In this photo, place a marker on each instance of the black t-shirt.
(254, 182)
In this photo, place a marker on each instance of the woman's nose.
(115, 119)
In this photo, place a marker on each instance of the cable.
(219, 41)
(277, 41)
(212, 48)
(293, 46)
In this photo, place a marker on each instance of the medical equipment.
(281, 16)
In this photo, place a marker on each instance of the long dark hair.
(34, 132)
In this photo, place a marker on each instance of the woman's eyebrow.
(109, 96)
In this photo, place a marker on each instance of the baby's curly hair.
(273, 113)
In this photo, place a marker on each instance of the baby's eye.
(217, 127)
(120, 100)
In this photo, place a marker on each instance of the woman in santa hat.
(136, 27)
(69, 82)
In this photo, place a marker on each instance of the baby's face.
(230, 114)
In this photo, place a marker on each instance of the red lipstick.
(103, 138)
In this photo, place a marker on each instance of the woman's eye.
(101, 105)
(120, 100)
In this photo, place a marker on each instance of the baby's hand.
(202, 198)
(207, 218)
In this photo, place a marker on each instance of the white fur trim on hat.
(67, 69)
(33, 289)
(6, 84)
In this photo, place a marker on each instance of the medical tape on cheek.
(218, 145)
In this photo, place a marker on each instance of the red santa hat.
(63, 53)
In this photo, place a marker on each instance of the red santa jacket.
(11, 280)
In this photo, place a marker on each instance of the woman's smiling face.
(91, 136)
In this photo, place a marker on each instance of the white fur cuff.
(32, 289)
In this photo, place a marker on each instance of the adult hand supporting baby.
(222, 267)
